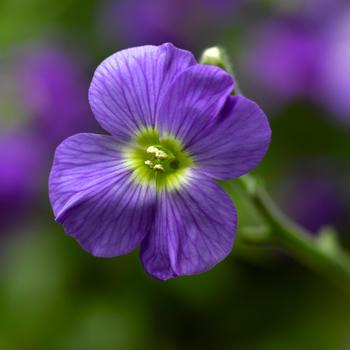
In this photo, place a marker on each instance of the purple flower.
(313, 197)
(147, 21)
(43, 99)
(335, 73)
(155, 21)
(174, 129)
(319, 12)
(54, 92)
(284, 59)
(22, 162)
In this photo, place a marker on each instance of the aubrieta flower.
(22, 157)
(335, 72)
(174, 129)
(273, 64)
(53, 91)
(313, 196)
(181, 21)
(42, 101)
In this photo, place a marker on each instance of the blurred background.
(293, 57)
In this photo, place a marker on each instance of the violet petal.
(194, 230)
(93, 196)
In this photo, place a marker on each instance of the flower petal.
(196, 96)
(128, 87)
(235, 143)
(194, 229)
(93, 196)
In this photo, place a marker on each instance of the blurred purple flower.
(320, 12)
(155, 21)
(335, 87)
(222, 8)
(152, 21)
(304, 53)
(54, 91)
(284, 59)
(313, 198)
(22, 167)
(175, 128)
(48, 86)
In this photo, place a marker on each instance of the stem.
(321, 253)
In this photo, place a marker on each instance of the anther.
(149, 163)
(156, 152)
(152, 150)
(158, 167)
(161, 155)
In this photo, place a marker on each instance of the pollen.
(156, 152)
(158, 167)
(149, 164)
(152, 150)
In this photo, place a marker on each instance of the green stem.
(321, 253)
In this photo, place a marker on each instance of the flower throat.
(158, 160)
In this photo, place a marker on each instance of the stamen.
(161, 155)
(152, 150)
(149, 163)
(156, 152)
(158, 167)
(160, 162)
